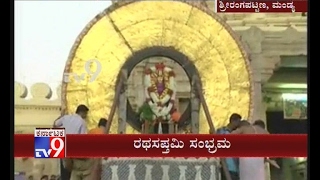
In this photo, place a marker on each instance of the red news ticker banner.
(78, 146)
(269, 6)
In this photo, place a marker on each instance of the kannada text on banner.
(78, 146)
(49, 143)
(269, 6)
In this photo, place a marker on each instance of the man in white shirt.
(73, 124)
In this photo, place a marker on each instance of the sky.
(44, 34)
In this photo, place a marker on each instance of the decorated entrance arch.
(128, 32)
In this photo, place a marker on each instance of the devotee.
(89, 169)
(101, 128)
(96, 167)
(230, 164)
(260, 123)
(252, 167)
(81, 168)
(45, 177)
(243, 123)
(73, 124)
(53, 177)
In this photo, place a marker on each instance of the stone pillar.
(262, 69)
(259, 111)
(257, 83)
(253, 38)
(257, 99)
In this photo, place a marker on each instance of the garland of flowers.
(155, 100)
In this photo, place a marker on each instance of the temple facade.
(277, 44)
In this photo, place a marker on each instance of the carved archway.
(191, 29)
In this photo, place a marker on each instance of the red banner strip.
(227, 6)
(123, 146)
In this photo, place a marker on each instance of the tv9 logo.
(49, 145)
(88, 66)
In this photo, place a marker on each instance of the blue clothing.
(231, 162)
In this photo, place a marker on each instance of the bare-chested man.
(252, 168)
(260, 123)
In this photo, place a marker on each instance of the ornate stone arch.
(119, 31)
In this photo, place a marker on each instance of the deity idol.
(160, 92)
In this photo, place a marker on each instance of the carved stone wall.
(267, 38)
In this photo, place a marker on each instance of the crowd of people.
(231, 168)
(247, 168)
(45, 177)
